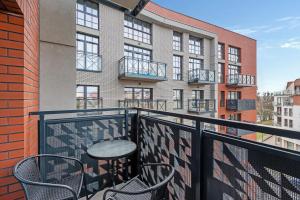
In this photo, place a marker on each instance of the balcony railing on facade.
(240, 104)
(208, 165)
(278, 113)
(157, 104)
(88, 62)
(240, 80)
(201, 76)
(201, 105)
(139, 69)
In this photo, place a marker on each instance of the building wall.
(57, 55)
(19, 77)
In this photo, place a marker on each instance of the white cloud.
(292, 43)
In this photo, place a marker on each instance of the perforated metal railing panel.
(72, 137)
(164, 142)
(236, 169)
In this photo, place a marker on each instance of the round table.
(112, 150)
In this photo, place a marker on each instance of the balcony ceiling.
(134, 6)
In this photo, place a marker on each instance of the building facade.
(160, 59)
(287, 113)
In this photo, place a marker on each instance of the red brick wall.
(19, 69)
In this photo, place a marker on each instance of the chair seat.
(134, 185)
(54, 193)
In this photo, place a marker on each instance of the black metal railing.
(241, 104)
(201, 76)
(143, 69)
(88, 61)
(208, 165)
(201, 105)
(241, 80)
(156, 104)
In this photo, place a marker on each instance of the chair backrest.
(27, 171)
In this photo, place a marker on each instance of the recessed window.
(177, 99)
(195, 45)
(87, 14)
(221, 51)
(136, 29)
(234, 95)
(195, 64)
(222, 99)
(221, 72)
(198, 94)
(87, 53)
(285, 122)
(138, 93)
(177, 41)
(291, 123)
(88, 97)
(234, 54)
(137, 53)
(177, 67)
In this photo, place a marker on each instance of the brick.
(16, 20)
(16, 153)
(14, 195)
(11, 78)
(11, 27)
(7, 180)
(3, 104)
(15, 120)
(14, 187)
(3, 52)
(3, 69)
(16, 37)
(11, 95)
(16, 103)
(16, 53)
(16, 137)
(11, 146)
(3, 156)
(3, 138)
(16, 70)
(5, 172)
(3, 190)
(3, 121)
(3, 17)
(11, 129)
(3, 35)
(11, 44)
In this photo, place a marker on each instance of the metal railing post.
(196, 160)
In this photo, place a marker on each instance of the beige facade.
(59, 46)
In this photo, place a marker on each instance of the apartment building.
(160, 59)
(287, 113)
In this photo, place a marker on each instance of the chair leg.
(85, 187)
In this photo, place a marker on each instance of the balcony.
(240, 80)
(201, 106)
(208, 164)
(241, 104)
(158, 104)
(201, 76)
(138, 69)
(88, 62)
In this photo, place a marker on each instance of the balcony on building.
(139, 69)
(204, 159)
(240, 104)
(155, 104)
(201, 76)
(240, 80)
(201, 106)
(88, 62)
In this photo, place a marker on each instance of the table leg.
(113, 173)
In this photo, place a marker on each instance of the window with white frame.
(136, 29)
(87, 14)
(177, 67)
(221, 51)
(177, 41)
(195, 45)
(87, 97)
(234, 54)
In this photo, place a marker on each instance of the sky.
(275, 24)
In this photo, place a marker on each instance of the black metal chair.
(141, 188)
(50, 177)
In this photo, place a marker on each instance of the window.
(221, 71)
(285, 122)
(177, 41)
(195, 64)
(235, 117)
(195, 46)
(177, 67)
(291, 123)
(136, 29)
(285, 112)
(87, 14)
(233, 72)
(178, 99)
(234, 95)
(222, 99)
(87, 97)
(137, 53)
(221, 51)
(87, 52)
(291, 112)
(138, 93)
(289, 145)
(198, 94)
(234, 54)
